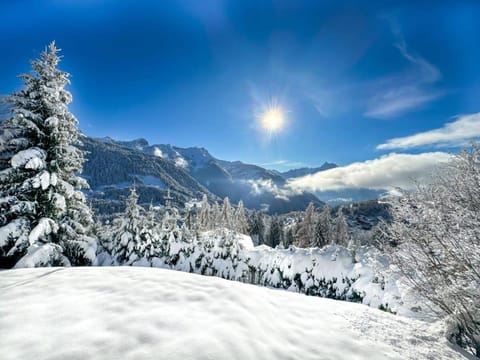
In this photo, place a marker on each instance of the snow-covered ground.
(148, 313)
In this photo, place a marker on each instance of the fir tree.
(127, 231)
(340, 230)
(275, 235)
(241, 222)
(204, 218)
(227, 214)
(257, 228)
(305, 230)
(41, 199)
(323, 228)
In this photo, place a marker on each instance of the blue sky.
(356, 79)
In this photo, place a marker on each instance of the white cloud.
(386, 172)
(267, 185)
(157, 152)
(458, 132)
(406, 91)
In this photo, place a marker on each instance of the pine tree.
(340, 230)
(275, 235)
(215, 216)
(241, 222)
(227, 214)
(204, 218)
(305, 230)
(323, 228)
(127, 231)
(43, 209)
(257, 228)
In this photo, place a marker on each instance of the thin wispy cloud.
(385, 173)
(398, 94)
(457, 133)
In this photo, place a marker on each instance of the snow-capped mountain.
(113, 166)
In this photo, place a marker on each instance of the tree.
(275, 235)
(257, 227)
(227, 214)
(45, 218)
(323, 228)
(436, 230)
(241, 222)
(340, 229)
(305, 230)
(204, 218)
(127, 239)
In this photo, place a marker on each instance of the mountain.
(293, 173)
(113, 166)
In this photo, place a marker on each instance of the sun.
(273, 119)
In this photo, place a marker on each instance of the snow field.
(146, 313)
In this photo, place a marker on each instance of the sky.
(368, 85)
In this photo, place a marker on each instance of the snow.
(42, 255)
(32, 158)
(45, 227)
(150, 180)
(146, 313)
(181, 162)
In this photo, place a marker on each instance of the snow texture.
(144, 313)
(33, 158)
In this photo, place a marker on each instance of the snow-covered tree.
(305, 230)
(204, 218)
(436, 233)
(215, 216)
(257, 227)
(128, 243)
(323, 228)
(227, 214)
(340, 234)
(241, 222)
(45, 217)
(275, 234)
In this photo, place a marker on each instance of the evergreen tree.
(241, 222)
(227, 214)
(204, 218)
(215, 216)
(323, 228)
(43, 210)
(289, 237)
(257, 228)
(275, 235)
(305, 230)
(340, 231)
(127, 231)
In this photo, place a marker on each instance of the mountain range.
(113, 166)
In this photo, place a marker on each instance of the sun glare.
(272, 119)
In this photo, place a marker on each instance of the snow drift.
(137, 313)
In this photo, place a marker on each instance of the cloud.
(456, 133)
(409, 90)
(387, 172)
(267, 185)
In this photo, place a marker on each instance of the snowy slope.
(145, 313)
